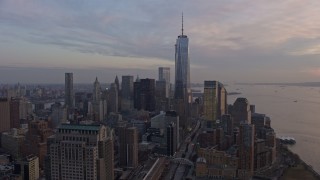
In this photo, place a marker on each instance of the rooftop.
(90, 127)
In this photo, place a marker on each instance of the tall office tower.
(136, 94)
(210, 100)
(172, 117)
(14, 113)
(81, 152)
(98, 104)
(246, 151)
(96, 95)
(28, 167)
(182, 68)
(68, 89)
(215, 101)
(241, 111)
(4, 115)
(128, 149)
(162, 96)
(126, 93)
(144, 94)
(227, 124)
(164, 76)
(147, 94)
(116, 81)
(113, 98)
(36, 139)
(58, 114)
(223, 100)
(171, 139)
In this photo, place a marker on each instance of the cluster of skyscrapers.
(109, 131)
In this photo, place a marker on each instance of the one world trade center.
(182, 68)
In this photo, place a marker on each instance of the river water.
(294, 111)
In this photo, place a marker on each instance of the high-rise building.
(36, 139)
(164, 76)
(227, 124)
(81, 152)
(162, 96)
(28, 168)
(215, 101)
(147, 94)
(171, 139)
(241, 111)
(98, 104)
(116, 81)
(14, 113)
(172, 117)
(113, 98)
(144, 94)
(69, 93)
(137, 94)
(127, 93)
(182, 68)
(128, 149)
(246, 150)
(12, 142)
(96, 95)
(4, 115)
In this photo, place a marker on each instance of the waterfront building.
(241, 111)
(69, 92)
(216, 164)
(246, 150)
(215, 102)
(81, 152)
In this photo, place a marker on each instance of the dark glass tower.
(182, 68)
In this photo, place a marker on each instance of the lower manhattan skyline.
(236, 41)
(152, 90)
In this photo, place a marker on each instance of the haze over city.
(233, 41)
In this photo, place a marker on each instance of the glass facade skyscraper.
(182, 68)
(69, 93)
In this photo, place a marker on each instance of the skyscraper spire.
(182, 24)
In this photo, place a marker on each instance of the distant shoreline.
(304, 84)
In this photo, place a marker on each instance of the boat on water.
(287, 140)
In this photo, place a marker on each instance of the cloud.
(312, 71)
(142, 33)
(313, 50)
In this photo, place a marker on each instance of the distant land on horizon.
(306, 84)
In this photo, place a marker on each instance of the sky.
(229, 41)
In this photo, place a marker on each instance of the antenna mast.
(182, 24)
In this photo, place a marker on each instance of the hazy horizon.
(235, 41)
